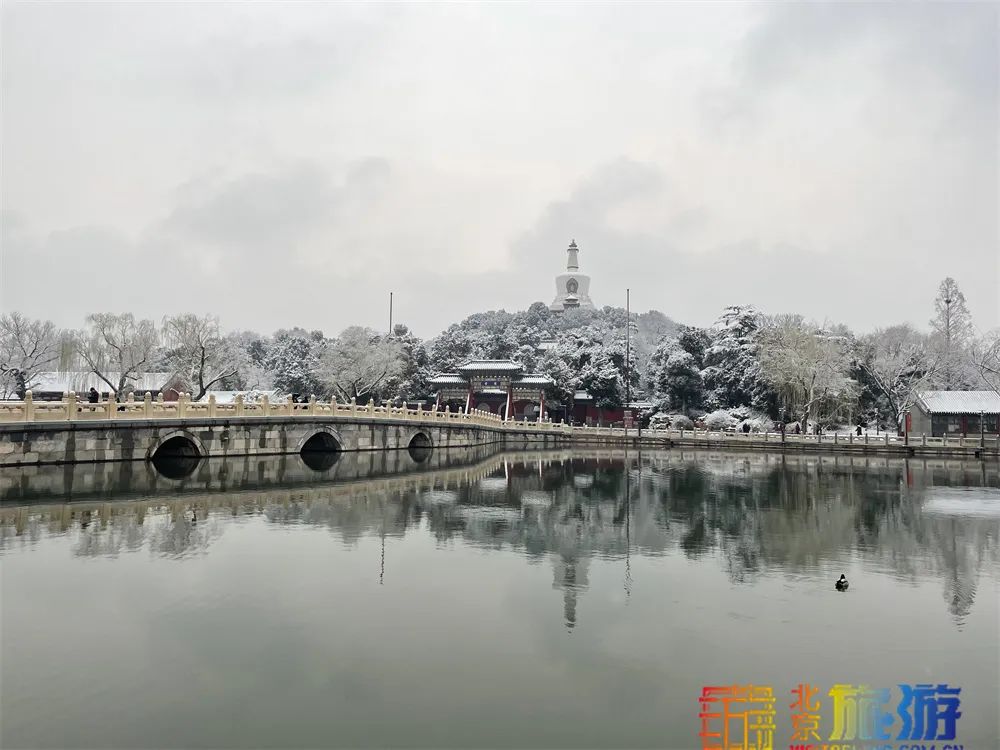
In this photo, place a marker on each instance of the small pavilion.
(499, 386)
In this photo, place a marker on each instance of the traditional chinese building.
(499, 386)
(572, 287)
(940, 413)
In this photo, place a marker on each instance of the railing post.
(147, 405)
(333, 405)
(312, 404)
(371, 406)
(265, 405)
(211, 405)
(181, 404)
(70, 406)
(354, 404)
(923, 439)
(29, 407)
(289, 405)
(239, 404)
(886, 438)
(112, 405)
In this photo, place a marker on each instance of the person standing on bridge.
(93, 397)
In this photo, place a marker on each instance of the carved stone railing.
(71, 409)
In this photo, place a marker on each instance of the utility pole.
(628, 332)
(390, 313)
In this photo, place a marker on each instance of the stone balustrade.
(72, 409)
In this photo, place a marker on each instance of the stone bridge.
(69, 432)
(72, 432)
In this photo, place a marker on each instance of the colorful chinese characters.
(858, 717)
(737, 717)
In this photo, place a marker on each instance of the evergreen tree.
(732, 371)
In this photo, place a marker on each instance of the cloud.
(290, 165)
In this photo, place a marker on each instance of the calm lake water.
(556, 599)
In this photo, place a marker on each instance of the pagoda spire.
(572, 264)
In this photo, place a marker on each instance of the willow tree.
(117, 348)
(806, 363)
(27, 348)
(198, 351)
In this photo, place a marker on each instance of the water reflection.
(753, 515)
(175, 466)
(320, 461)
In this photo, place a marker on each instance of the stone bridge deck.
(69, 431)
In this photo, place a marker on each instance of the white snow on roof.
(480, 365)
(251, 396)
(81, 382)
(960, 402)
(449, 378)
(534, 379)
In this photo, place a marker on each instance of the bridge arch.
(177, 444)
(176, 454)
(320, 439)
(419, 445)
(320, 448)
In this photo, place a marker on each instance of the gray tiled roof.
(960, 402)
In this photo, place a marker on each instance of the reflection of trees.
(755, 514)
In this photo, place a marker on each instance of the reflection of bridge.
(754, 513)
(68, 432)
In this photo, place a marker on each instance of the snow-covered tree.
(198, 351)
(732, 372)
(986, 358)
(565, 380)
(292, 361)
(253, 373)
(675, 377)
(414, 372)
(27, 348)
(359, 363)
(118, 344)
(603, 380)
(898, 361)
(806, 364)
(953, 333)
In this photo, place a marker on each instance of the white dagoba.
(572, 287)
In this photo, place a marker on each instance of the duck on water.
(842, 583)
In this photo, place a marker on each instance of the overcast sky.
(285, 165)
